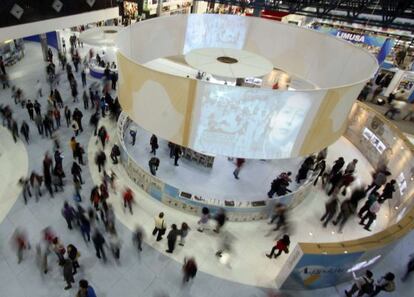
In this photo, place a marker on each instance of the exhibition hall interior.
(191, 148)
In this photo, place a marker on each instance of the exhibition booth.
(101, 40)
(260, 123)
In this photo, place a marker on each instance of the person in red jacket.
(282, 245)
(128, 199)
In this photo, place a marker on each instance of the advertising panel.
(249, 122)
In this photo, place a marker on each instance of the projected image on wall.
(235, 122)
(209, 31)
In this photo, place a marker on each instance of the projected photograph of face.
(211, 31)
(233, 122)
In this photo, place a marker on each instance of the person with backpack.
(385, 283)
(160, 226)
(363, 285)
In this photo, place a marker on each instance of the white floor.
(218, 182)
(152, 273)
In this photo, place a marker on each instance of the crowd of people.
(96, 223)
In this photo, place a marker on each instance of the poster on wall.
(319, 271)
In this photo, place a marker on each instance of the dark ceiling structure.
(16, 12)
(382, 13)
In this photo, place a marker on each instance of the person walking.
(115, 244)
(69, 214)
(73, 255)
(137, 238)
(373, 196)
(154, 145)
(100, 160)
(371, 215)
(14, 130)
(320, 168)
(363, 285)
(410, 268)
(330, 209)
(85, 290)
(220, 218)
(85, 226)
(128, 199)
(99, 242)
(83, 76)
(68, 273)
(388, 191)
(103, 136)
(282, 245)
(160, 226)
(77, 116)
(68, 115)
(385, 283)
(183, 233)
(79, 151)
(25, 130)
(133, 134)
(205, 216)
(30, 109)
(153, 164)
(177, 154)
(239, 164)
(115, 153)
(57, 116)
(37, 107)
(350, 168)
(172, 238)
(189, 269)
(39, 123)
(346, 211)
(379, 178)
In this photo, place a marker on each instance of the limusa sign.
(367, 39)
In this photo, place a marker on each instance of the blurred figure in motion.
(280, 213)
(330, 209)
(137, 238)
(128, 199)
(189, 269)
(225, 247)
(85, 290)
(220, 220)
(20, 243)
(410, 268)
(282, 245)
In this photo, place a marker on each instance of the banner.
(366, 39)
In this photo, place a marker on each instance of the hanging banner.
(366, 39)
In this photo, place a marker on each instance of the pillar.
(43, 44)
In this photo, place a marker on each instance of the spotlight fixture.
(17, 11)
(57, 5)
(90, 2)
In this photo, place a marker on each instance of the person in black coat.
(115, 153)
(14, 130)
(37, 107)
(153, 164)
(388, 191)
(99, 242)
(172, 238)
(100, 160)
(73, 256)
(30, 109)
(220, 219)
(154, 144)
(76, 172)
(77, 116)
(177, 153)
(24, 129)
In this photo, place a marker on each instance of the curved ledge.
(270, 124)
(187, 202)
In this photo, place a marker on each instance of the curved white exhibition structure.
(238, 121)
